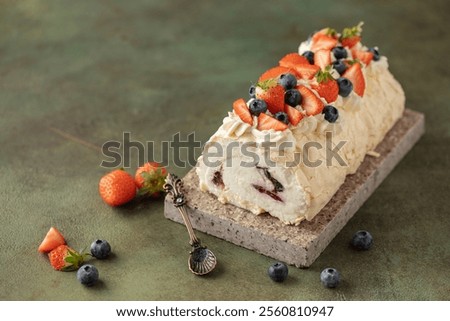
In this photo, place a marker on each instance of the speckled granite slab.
(299, 245)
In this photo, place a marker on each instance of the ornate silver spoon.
(201, 260)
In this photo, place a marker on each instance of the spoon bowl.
(201, 261)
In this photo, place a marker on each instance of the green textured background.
(75, 74)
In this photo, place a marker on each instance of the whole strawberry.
(117, 188)
(64, 258)
(150, 179)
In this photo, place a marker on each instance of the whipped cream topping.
(361, 126)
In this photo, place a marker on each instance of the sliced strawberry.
(266, 122)
(350, 42)
(322, 58)
(272, 93)
(351, 36)
(325, 31)
(326, 86)
(363, 56)
(241, 109)
(322, 41)
(294, 115)
(355, 75)
(292, 60)
(307, 71)
(310, 102)
(275, 72)
(52, 240)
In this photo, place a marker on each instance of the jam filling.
(217, 179)
(277, 186)
(269, 193)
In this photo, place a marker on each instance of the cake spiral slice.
(308, 124)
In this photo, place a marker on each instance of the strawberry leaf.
(267, 84)
(352, 31)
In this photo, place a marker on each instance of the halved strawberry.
(355, 75)
(307, 71)
(52, 240)
(363, 56)
(351, 36)
(325, 31)
(350, 41)
(292, 60)
(322, 58)
(323, 41)
(310, 102)
(272, 93)
(276, 72)
(241, 109)
(266, 122)
(294, 115)
(326, 86)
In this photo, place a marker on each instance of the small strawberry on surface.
(52, 240)
(117, 188)
(64, 258)
(150, 178)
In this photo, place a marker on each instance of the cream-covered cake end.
(309, 123)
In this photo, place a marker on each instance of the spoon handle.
(173, 186)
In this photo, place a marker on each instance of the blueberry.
(100, 249)
(362, 240)
(345, 86)
(87, 275)
(257, 106)
(292, 97)
(339, 66)
(278, 272)
(310, 56)
(288, 81)
(282, 117)
(339, 52)
(331, 113)
(376, 54)
(252, 91)
(330, 277)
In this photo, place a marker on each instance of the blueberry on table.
(257, 106)
(278, 272)
(339, 52)
(288, 81)
(292, 97)
(362, 240)
(100, 249)
(309, 55)
(87, 275)
(330, 277)
(345, 86)
(331, 113)
(340, 66)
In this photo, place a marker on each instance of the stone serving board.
(299, 245)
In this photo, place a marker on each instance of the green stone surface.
(76, 74)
